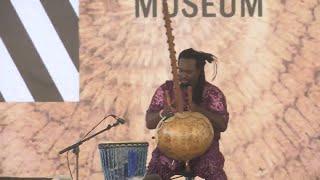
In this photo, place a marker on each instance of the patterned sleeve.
(157, 102)
(216, 102)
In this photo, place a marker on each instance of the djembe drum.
(123, 160)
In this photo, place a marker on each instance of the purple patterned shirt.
(209, 165)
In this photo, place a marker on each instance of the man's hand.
(168, 111)
(217, 120)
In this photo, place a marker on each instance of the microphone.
(119, 120)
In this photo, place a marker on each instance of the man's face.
(188, 72)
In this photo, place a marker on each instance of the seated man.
(206, 99)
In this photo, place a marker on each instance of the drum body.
(123, 160)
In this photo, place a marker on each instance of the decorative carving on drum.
(184, 136)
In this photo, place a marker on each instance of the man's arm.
(152, 119)
(157, 103)
(218, 121)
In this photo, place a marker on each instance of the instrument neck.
(170, 41)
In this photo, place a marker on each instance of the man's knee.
(152, 177)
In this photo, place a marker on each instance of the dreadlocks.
(201, 59)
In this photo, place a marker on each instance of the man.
(206, 99)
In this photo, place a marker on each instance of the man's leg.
(210, 165)
(161, 166)
(152, 177)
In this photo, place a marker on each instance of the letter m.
(251, 7)
(146, 8)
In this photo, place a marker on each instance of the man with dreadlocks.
(206, 99)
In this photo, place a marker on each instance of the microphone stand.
(76, 146)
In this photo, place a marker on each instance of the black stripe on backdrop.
(25, 56)
(65, 22)
(1, 98)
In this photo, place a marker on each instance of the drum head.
(122, 144)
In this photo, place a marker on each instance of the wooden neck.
(170, 41)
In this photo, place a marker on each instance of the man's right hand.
(168, 111)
